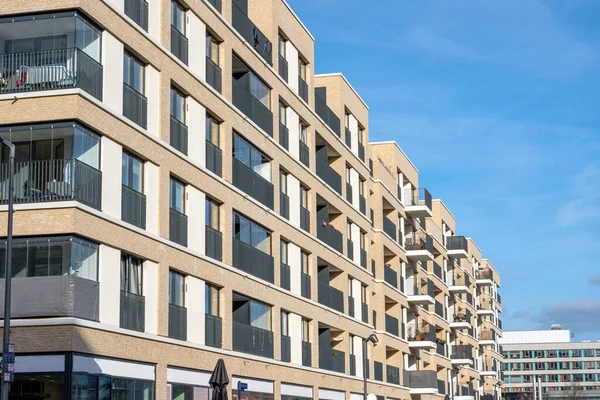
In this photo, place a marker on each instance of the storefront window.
(37, 386)
(180, 391)
(251, 396)
(94, 387)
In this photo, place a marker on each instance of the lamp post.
(8, 269)
(373, 339)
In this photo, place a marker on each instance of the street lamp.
(8, 269)
(373, 339)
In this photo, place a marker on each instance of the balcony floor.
(418, 211)
(421, 299)
(419, 255)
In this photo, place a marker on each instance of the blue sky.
(498, 105)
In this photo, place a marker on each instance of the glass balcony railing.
(303, 89)
(306, 354)
(304, 219)
(216, 4)
(135, 106)
(214, 159)
(419, 241)
(253, 261)
(305, 285)
(213, 75)
(178, 227)
(329, 175)
(214, 243)
(330, 236)
(251, 183)
(283, 68)
(391, 325)
(213, 329)
(137, 10)
(423, 379)
(457, 243)
(284, 205)
(252, 340)
(361, 151)
(284, 136)
(286, 348)
(252, 107)
(327, 115)
(332, 360)
(179, 45)
(251, 33)
(390, 276)
(179, 135)
(133, 207)
(348, 137)
(417, 197)
(331, 297)
(284, 276)
(133, 311)
(392, 374)
(389, 227)
(177, 322)
(304, 154)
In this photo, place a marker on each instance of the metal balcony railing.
(440, 349)
(333, 360)
(49, 70)
(177, 322)
(351, 306)
(392, 374)
(137, 10)
(352, 365)
(304, 219)
(179, 45)
(391, 325)
(214, 243)
(420, 379)
(441, 386)
(306, 354)
(348, 137)
(304, 154)
(284, 136)
(330, 236)
(378, 371)
(216, 4)
(284, 205)
(253, 261)
(214, 159)
(361, 151)
(283, 68)
(214, 75)
(178, 227)
(135, 106)
(328, 174)
(349, 192)
(284, 276)
(364, 312)
(252, 107)
(389, 227)
(179, 135)
(484, 273)
(390, 276)
(419, 241)
(133, 207)
(417, 197)
(462, 352)
(305, 285)
(350, 249)
(251, 33)
(424, 332)
(331, 297)
(133, 311)
(327, 114)
(251, 183)
(456, 243)
(286, 348)
(362, 204)
(363, 258)
(437, 270)
(252, 340)
(213, 328)
(440, 309)
(303, 89)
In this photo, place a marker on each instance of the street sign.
(241, 387)
(9, 348)
(8, 377)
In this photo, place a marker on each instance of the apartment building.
(187, 189)
(565, 369)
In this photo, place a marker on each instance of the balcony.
(179, 135)
(305, 285)
(419, 246)
(253, 261)
(214, 158)
(137, 10)
(390, 276)
(437, 271)
(135, 106)
(461, 320)
(178, 227)
(252, 183)
(213, 75)
(179, 45)
(487, 335)
(461, 282)
(327, 114)
(422, 338)
(133, 311)
(252, 107)
(177, 322)
(214, 243)
(51, 70)
(328, 174)
(133, 207)
(332, 360)
(252, 340)
(304, 219)
(440, 310)
(331, 297)
(53, 296)
(484, 276)
(216, 4)
(421, 382)
(392, 374)
(283, 68)
(461, 355)
(284, 136)
(440, 349)
(53, 180)
(213, 328)
(286, 348)
(330, 236)
(418, 203)
(304, 154)
(251, 34)
(457, 246)
(306, 354)
(391, 325)
(284, 276)
(361, 151)
(389, 227)
(284, 205)
(364, 312)
(421, 294)
(348, 137)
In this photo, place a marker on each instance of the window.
(363, 240)
(527, 354)
(285, 323)
(260, 315)
(282, 114)
(178, 105)
(131, 274)
(211, 300)
(251, 157)
(588, 353)
(133, 72)
(179, 391)
(563, 353)
(540, 366)
(361, 135)
(212, 48)
(348, 175)
(363, 294)
(282, 43)
(303, 133)
(304, 262)
(539, 354)
(251, 233)
(303, 197)
(302, 69)
(305, 330)
(347, 121)
(176, 288)
(177, 197)
(284, 252)
(132, 168)
(178, 17)
(283, 182)
(551, 354)
(361, 187)
(213, 218)
(213, 128)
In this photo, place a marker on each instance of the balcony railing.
(391, 325)
(303, 89)
(389, 227)
(364, 312)
(329, 175)
(284, 136)
(363, 258)
(441, 386)
(348, 137)
(484, 273)
(252, 261)
(362, 204)
(352, 365)
(178, 227)
(305, 285)
(439, 309)
(252, 183)
(331, 297)
(283, 68)
(349, 192)
(213, 328)
(53, 180)
(179, 135)
(390, 276)
(424, 333)
(251, 33)
(135, 106)
(437, 270)
(213, 75)
(304, 154)
(49, 70)
(332, 360)
(392, 374)
(306, 354)
(177, 322)
(216, 4)
(440, 349)
(361, 151)
(304, 219)
(284, 205)
(417, 197)
(284, 276)
(214, 243)
(419, 241)
(214, 159)
(462, 352)
(327, 114)
(351, 306)
(252, 340)
(420, 379)
(137, 10)
(456, 243)
(252, 107)
(331, 236)
(350, 249)
(133, 207)
(286, 348)
(179, 45)
(378, 371)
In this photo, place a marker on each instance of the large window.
(213, 128)
(304, 262)
(176, 288)
(177, 197)
(178, 105)
(51, 256)
(132, 172)
(283, 182)
(302, 69)
(180, 391)
(133, 72)
(38, 386)
(285, 319)
(304, 196)
(212, 48)
(303, 133)
(213, 219)
(283, 250)
(178, 17)
(211, 300)
(251, 157)
(102, 387)
(251, 233)
(131, 274)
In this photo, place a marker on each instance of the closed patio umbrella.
(219, 381)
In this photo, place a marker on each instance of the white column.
(356, 290)
(151, 192)
(194, 302)
(196, 122)
(196, 33)
(358, 354)
(295, 332)
(112, 69)
(152, 90)
(353, 126)
(355, 183)
(154, 18)
(109, 279)
(111, 154)
(294, 195)
(401, 183)
(195, 211)
(293, 125)
(355, 235)
(291, 56)
(294, 261)
(150, 291)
